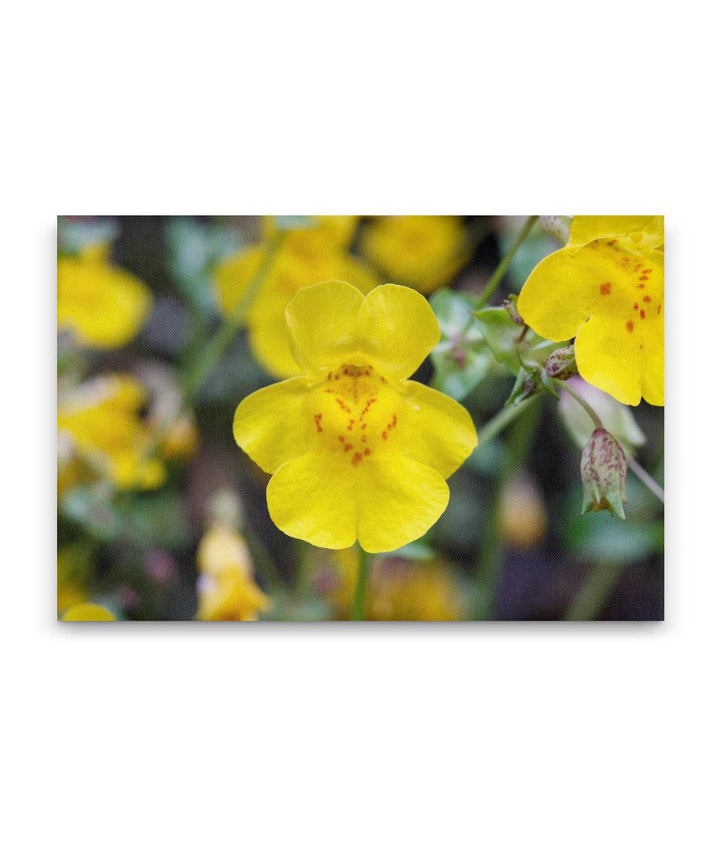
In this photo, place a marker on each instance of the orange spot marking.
(647, 299)
(350, 424)
(635, 307)
(641, 285)
(605, 288)
(659, 308)
(642, 313)
(343, 406)
(356, 458)
(630, 326)
(643, 278)
(363, 426)
(318, 420)
(363, 438)
(347, 447)
(647, 270)
(366, 452)
(384, 435)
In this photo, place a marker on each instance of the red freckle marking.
(363, 426)
(356, 458)
(337, 377)
(643, 278)
(635, 307)
(318, 419)
(384, 435)
(614, 241)
(647, 299)
(363, 438)
(350, 424)
(342, 405)
(347, 447)
(642, 313)
(630, 326)
(659, 308)
(605, 288)
(641, 285)
(329, 375)
(394, 422)
(367, 452)
(647, 270)
(638, 266)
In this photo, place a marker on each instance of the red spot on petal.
(318, 420)
(647, 299)
(642, 313)
(635, 307)
(605, 288)
(630, 326)
(356, 458)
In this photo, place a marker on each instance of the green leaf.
(512, 345)
(461, 359)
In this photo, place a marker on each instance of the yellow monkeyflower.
(100, 430)
(226, 589)
(606, 289)
(306, 256)
(357, 451)
(423, 252)
(400, 590)
(88, 612)
(103, 305)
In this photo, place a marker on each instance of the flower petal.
(585, 229)
(323, 324)
(398, 329)
(443, 433)
(601, 351)
(234, 275)
(270, 426)
(309, 499)
(399, 499)
(104, 305)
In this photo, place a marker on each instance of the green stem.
(501, 269)
(359, 605)
(594, 593)
(491, 551)
(597, 421)
(501, 420)
(232, 323)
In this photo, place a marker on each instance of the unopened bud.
(603, 468)
(510, 306)
(557, 226)
(561, 363)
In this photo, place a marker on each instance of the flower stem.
(359, 605)
(646, 478)
(633, 465)
(594, 593)
(501, 269)
(491, 551)
(501, 420)
(232, 323)
(597, 421)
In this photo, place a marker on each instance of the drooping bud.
(557, 226)
(561, 363)
(603, 468)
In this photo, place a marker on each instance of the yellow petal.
(441, 433)
(311, 499)
(585, 229)
(399, 499)
(270, 344)
(234, 275)
(103, 305)
(271, 424)
(88, 612)
(398, 329)
(323, 324)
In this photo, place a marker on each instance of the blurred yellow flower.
(606, 288)
(70, 575)
(358, 452)
(100, 432)
(88, 612)
(103, 305)
(400, 589)
(306, 256)
(423, 252)
(226, 588)
(522, 515)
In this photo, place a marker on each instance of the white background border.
(503, 739)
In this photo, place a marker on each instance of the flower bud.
(557, 226)
(561, 363)
(510, 306)
(603, 468)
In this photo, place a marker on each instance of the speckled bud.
(557, 226)
(603, 468)
(561, 363)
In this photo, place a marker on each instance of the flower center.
(354, 413)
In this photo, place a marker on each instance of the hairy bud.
(603, 468)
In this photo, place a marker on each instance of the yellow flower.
(103, 305)
(226, 589)
(606, 288)
(357, 451)
(401, 590)
(306, 256)
(100, 428)
(88, 612)
(424, 252)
